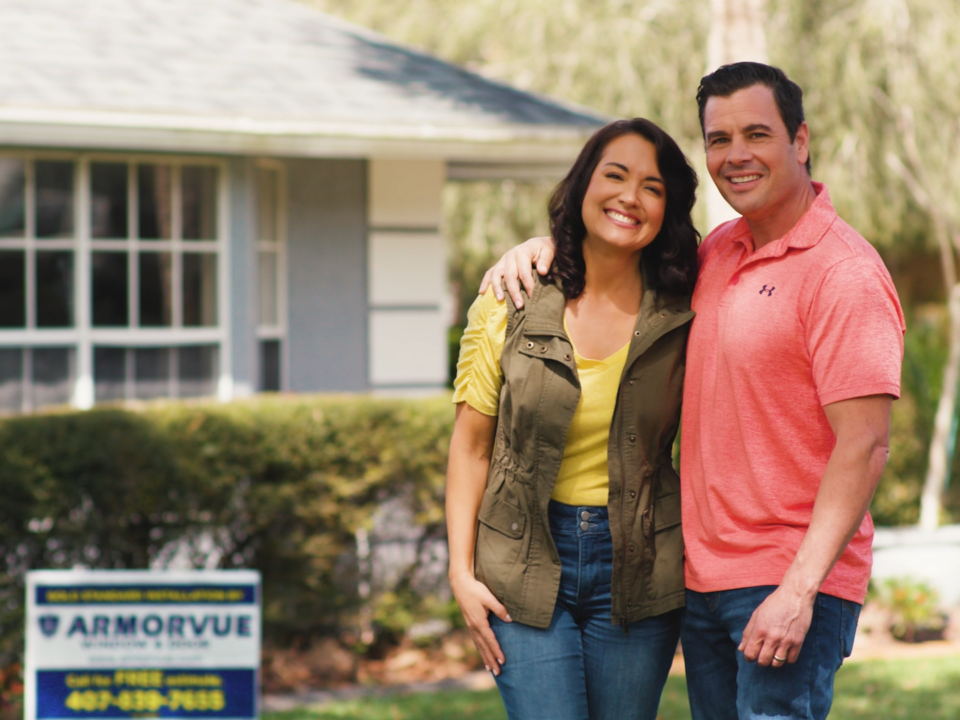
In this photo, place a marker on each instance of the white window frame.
(82, 337)
(277, 331)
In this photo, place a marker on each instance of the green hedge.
(279, 484)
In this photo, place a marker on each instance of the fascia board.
(245, 136)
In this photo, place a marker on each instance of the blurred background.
(238, 242)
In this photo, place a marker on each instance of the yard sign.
(124, 644)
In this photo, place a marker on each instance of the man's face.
(749, 153)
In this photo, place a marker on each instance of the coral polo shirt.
(808, 320)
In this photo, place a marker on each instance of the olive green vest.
(515, 554)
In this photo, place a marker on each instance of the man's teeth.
(748, 178)
(621, 218)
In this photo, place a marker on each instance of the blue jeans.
(584, 667)
(724, 686)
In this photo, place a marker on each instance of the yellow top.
(584, 475)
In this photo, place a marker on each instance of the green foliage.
(276, 484)
(914, 607)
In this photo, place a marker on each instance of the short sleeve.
(478, 379)
(855, 332)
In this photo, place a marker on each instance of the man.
(792, 364)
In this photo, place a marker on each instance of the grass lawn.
(927, 689)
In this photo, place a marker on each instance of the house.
(221, 197)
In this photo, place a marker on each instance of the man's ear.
(802, 143)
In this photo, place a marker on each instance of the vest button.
(631, 548)
(633, 493)
(529, 346)
(515, 526)
(633, 438)
(629, 603)
(630, 382)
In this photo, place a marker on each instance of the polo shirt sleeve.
(855, 332)
(478, 379)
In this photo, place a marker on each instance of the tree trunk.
(938, 467)
(736, 34)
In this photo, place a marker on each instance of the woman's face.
(626, 199)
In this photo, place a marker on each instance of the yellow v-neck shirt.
(584, 476)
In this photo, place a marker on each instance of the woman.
(563, 512)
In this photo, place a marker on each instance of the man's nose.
(739, 150)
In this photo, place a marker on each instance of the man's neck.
(766, 228)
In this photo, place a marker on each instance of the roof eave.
(515, 143)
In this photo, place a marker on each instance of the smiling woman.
(574, 604)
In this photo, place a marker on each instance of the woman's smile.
(626, 199)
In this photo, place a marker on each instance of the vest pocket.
(667, 576)
(499, 541)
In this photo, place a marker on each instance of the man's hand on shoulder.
(516, 266)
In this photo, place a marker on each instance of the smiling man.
(793, 362)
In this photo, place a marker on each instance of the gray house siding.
(326, 251)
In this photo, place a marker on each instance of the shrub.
(277, 484)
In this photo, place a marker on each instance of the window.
(271, 260)
(110, 278)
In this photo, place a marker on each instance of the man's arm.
(516, 264)
(862, 428)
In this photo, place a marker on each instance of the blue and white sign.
(124, 644)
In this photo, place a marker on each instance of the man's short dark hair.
(726, 80)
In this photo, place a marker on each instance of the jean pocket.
(849, 616)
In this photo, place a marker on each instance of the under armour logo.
(768, 292)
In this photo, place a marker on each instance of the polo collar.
(808, 231)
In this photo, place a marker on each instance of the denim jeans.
(583, 666)
(724, 686)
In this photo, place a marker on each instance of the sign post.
(124, 644)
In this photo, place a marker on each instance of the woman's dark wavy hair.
(671, 259)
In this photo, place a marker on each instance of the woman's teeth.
(614, 215)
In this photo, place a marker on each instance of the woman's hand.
(516, 264)
(476, 601)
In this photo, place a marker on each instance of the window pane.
(152, 373)
(270, 366)
(154, 193)
(109, 289)
(12, 208)
(54, 288)
(199, 203)
(108, 201)
(199, 289)
(268, 289)
(13, 307)
(156, 290)
(198, 371)
(11, 379)
(267, 204)
(54, 180)
(109, 373)
(52, 376)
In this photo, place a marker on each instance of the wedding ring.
(779, 659)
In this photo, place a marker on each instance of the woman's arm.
(470, 451)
